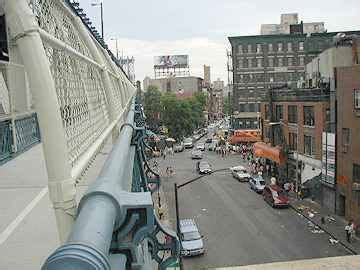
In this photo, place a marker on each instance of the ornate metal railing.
(5, 140)
(17, 134)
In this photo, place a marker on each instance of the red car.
(275, 196)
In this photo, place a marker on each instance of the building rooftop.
(326, 34)
(310, 94)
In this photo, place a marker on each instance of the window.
(356, 173)
(240, 49)
(270, 47)
(278, 112)
(280, 62)
(249, 48)
(309, 145)
(290, 61)
(251, 107)
(249, 63)
(242, 107)
(289, 46)
(301, 61)
(345, 136)
(266, 112)
(259, 63)
(241, 63)
(327, 115)
(258, 48)
(357, 98)
(280, 47)
(309, 116)
(271, 62)
(301, 46)
(292, 114)
(293, 141)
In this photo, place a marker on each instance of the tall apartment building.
(348, 143)
(285, 25)
(264, 61)
(218, 84)
(207, 78)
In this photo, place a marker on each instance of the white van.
(191, 240)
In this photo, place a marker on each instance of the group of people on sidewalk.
(350, 230)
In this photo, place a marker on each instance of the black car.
(203, 167)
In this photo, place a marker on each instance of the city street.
(239, 228)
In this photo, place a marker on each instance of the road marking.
(12, 226)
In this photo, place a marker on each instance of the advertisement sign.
(328, 158)
(171, 61)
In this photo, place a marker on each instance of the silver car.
(188, 143)
(200, 146)
(191, 240)
(196, 154)
(179, 147)
(240, 173)
(257, 183)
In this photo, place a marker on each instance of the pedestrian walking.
(348, 232)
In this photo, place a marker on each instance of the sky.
(199, 28)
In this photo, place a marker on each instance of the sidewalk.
(334, 224)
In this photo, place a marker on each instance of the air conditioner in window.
(356, 187)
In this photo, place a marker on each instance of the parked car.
(179, 147)
(257, 183)
(196, 154)
(203, 167)
(240, 173)
(191, 239)
(212, 146)
(188, 143)
(275, 196)
(200, 146)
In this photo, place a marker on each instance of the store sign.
(328, 158)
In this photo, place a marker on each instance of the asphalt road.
(239, 228)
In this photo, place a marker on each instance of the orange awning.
(266, 151)
(241, 136)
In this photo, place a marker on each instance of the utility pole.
(178, 222)
(101, 16)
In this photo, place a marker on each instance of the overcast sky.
(199, 28)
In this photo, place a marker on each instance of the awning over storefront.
(245, 136)
(272, 153)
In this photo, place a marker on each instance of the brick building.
(295, 120)
(263, 61)
(348, 143)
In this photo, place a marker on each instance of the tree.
(227, 105)
(152, 106)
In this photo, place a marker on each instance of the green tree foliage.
(152, 106)
(227, 105)
(180, 116)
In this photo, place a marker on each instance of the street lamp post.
(102, 17)
(176, 187)
(117, 48)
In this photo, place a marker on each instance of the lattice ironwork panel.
(55, 19)
(116, 93)
(6, 149)
(27, 132)
(82, 101)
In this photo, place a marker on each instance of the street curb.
(326, 231)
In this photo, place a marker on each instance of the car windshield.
(278, 193)
(262, 182)
(189, 236)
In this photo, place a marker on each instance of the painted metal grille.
(53, 17)
(81, 98)
(27, 132)
(5, 140)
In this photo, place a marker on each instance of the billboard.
(171, 61)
